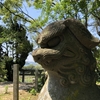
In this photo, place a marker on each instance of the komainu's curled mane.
(66, 54)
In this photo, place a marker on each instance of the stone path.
(22, 86)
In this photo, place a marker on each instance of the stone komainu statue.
(66, 55)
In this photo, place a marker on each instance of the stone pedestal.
(53, 90)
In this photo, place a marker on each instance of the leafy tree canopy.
(51, 10)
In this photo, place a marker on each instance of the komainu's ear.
(81, 33)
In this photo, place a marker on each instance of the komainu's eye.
(54, 42)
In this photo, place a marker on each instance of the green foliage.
(2, 68)
(6, 89)
(96, 52)
(33, 91)
(51, 10)
(63, 9)
(16, 42)
(13, 46)
(3, 71)
(83, 10)
(41, 81)
(29, 67)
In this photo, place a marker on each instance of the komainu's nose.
(36, 56)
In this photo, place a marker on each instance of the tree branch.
(13, 12)
(96, 16)
(19, 15)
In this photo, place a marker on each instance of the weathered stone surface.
(66, 55)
